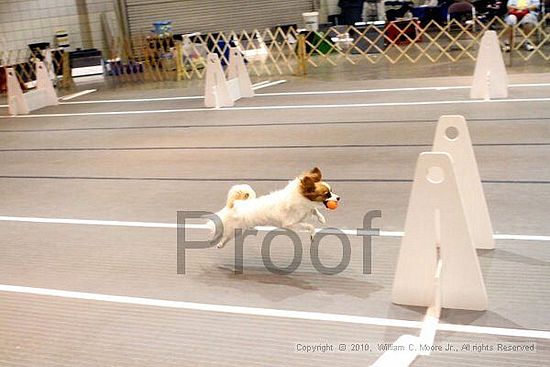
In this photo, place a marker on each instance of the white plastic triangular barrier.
(16, 102)
(48, 61)
(222, 92)
(44, 84)
(490, 77)
(436, 216)
(452, 136)
(237, 70)
(23, 103)
(216, 90)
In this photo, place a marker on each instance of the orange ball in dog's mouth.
(332, 204)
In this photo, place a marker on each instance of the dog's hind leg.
(223, 242)
(228, 235)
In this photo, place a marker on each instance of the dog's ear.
(315, 174)
(308, 184)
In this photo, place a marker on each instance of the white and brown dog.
(288, 208)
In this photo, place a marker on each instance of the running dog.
(288, 208)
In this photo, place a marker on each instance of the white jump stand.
(452, 136)
(23, 103)
(437, 230)
(222, 92)
(490, 77)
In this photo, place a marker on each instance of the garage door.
(213, 16)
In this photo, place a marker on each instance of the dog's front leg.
(319, 216)
(310, 228)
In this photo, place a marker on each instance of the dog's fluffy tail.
(239, 192)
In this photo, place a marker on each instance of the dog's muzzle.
(331, 198)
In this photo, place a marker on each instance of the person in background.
(397, 9)
(524, 13)
(494, 9)
(352, 11)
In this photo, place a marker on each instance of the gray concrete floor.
(146, 167)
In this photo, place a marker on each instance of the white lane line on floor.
(520, 237)
(268, 85)
(261, 83)
(242, 310)
(117, 223)
(433, 313)
(394, 356)
(135, 100)
(349, 91)
(78, 94)
(270, 312)
(71, 96)
(473, 329)
(279, 107)
(400, 353)
(154, 99)
(382, 90)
